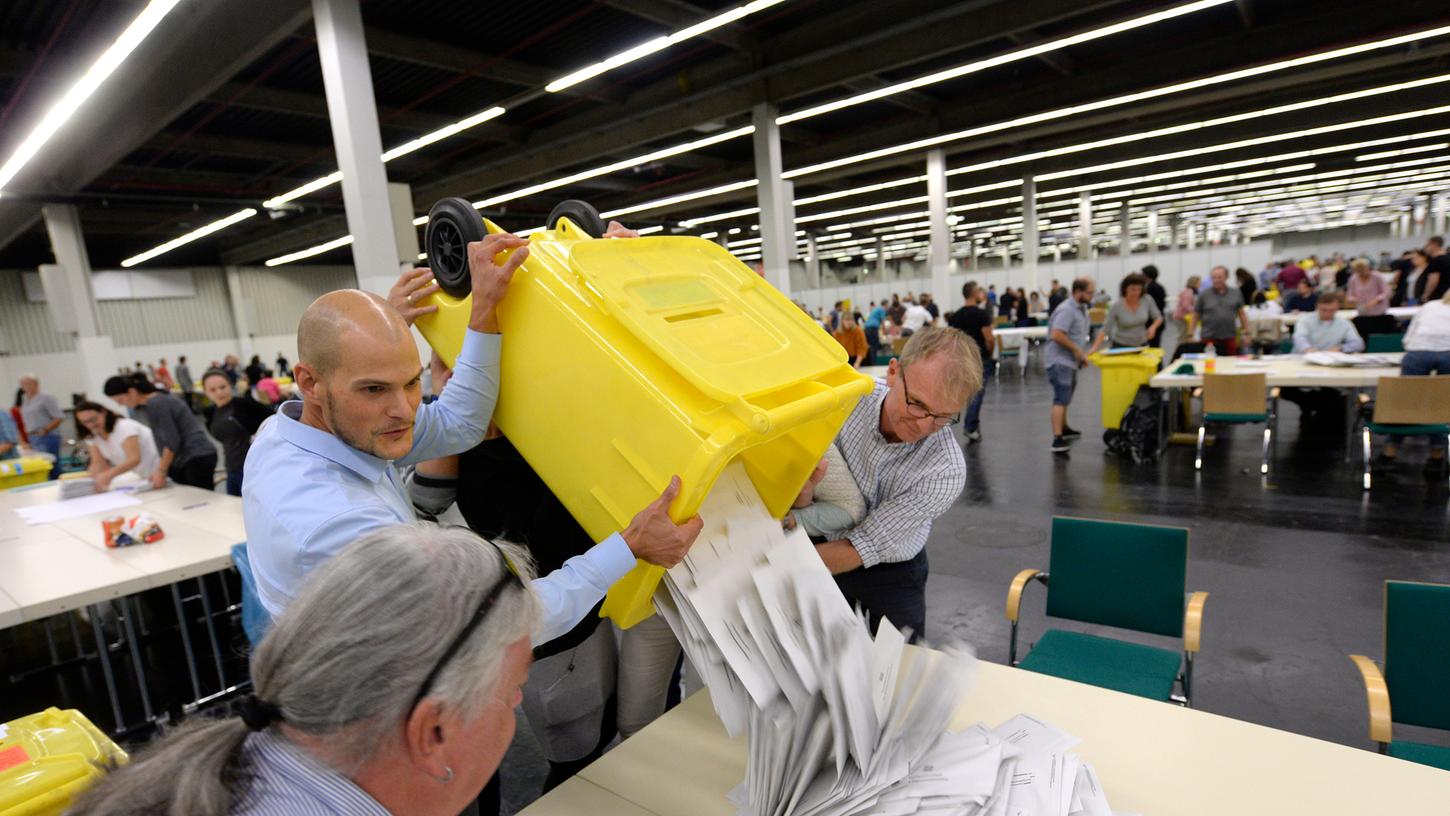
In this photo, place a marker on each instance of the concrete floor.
(1294, 564)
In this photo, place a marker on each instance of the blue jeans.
(234, 483)
(1423, 364)
(873, 342)
(50, 443)
(1064, 382)
(974, 410)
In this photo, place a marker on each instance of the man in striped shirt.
(900, 449)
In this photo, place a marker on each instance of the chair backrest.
(1117, 574)
(1417, 662)
(1412, 401)
(898, 344)
(1384, 343)
(1235, 393)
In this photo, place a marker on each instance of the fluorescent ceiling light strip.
(76, 95)
(298, 192)
(189, 237)
(1391, 153)
(658, 44)
(310, 251)
(650, 230)
(1001, 59)
(443, 133)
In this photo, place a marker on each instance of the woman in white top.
(118, 444)
(1427, 351)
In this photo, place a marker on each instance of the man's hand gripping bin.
(627, 361)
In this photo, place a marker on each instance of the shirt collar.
(324, 444)
(340, 794)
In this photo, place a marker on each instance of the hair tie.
(258, 713)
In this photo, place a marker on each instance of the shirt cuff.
(613, 557)
(479, 348)
(865, 547)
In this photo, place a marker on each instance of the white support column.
(813, 262)
(880, 258)
(1084, 225)
(405, 234)
(350, 106)
(939, 252)
(1125, 228)
(777, 233)
(1192, 230)
(1436, 214)
(972, 254)
(1174, 219)
(72, 302)
(1031, 241)
(1152, 231)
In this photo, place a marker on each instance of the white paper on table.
(71, 508)
(1027, 735)
(1089, 798)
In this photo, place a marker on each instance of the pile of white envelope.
(839, 722)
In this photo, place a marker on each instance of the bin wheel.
(583, 214)
(452, 225)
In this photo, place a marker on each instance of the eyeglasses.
(918, 410)
(508, 579)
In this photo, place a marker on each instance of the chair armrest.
(1364, 399)
(1274, 393)
(1014, 592)
(1378, 695)
(1193, 621)
(1197, 393)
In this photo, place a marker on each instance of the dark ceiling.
(265, 130)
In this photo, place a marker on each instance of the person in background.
(9, 437)
(163, 376)
(899, 447)
(1435, 281)
(255, 371)
(232, 367)
(42, 416)
(974, 321)
(1007, 304)
(1427, 351)
(233, 421)
(1302, 299)
(283, 369)
(187, 456)
(916, 317)
(1368, 293)
(1289, 276)
(1023, 309)
(929, 303)
(1324, 330)
(1133, 320)
(1068, 334)
(1220, 310)
(1034, 304)
(389, 688)
(118, 445)
(852, 339)
(1180, 328)
(185, 383)
(992, 295)
(1268, 275)
(1404, 267)
(897, 310)
(1159, 296)
(1055, 296)
(1246, 283)
(873, 331)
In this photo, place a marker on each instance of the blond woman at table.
(118, 444)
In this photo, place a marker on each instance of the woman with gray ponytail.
(388, 686)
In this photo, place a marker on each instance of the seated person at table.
(899, 447)
(1427, 351)
(388, 687)
(1301, 299)
(187, 456)
(117, 445)
(830, 503)
(1324, 330)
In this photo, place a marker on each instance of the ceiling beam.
(314, 106)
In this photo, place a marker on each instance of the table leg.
(137, 668)
(109, 673)
(181, 623)
(216, 649)
(1351, 404)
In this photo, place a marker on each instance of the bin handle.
(762, 420)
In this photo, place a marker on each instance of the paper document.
(838, 721)
(71, 508)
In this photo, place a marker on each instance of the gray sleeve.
(164, 426)
(1154, 313)
(1110, 323)
(430, 495)
(52, 408)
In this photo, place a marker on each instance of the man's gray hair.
(29, 376)
(345, 661)
(962, 376)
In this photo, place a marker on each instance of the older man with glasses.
(900, 449)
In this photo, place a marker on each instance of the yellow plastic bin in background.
(1123, 373)
(48, 758)
(628, 361)
(23, 471)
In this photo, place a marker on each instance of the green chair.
(1404, 406)
(1238, 399)
(1416, 670)
(1384, 343)
(1129, 576)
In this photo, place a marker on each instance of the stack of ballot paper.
(839, 722)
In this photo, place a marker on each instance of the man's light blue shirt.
(1312, 333)
(307, 494)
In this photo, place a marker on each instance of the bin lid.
(715, 321)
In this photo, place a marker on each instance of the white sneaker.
(974, 436)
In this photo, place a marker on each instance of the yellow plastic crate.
(628, 361)
(48, 758)
(23, 471)
(1122, 374)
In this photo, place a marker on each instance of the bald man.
(323, 471)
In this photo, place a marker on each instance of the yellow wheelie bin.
(46, 759)
(23, 471)
(628, 361)
(1124, 370)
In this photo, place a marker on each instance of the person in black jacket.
(232, 421)
(1159, 295)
